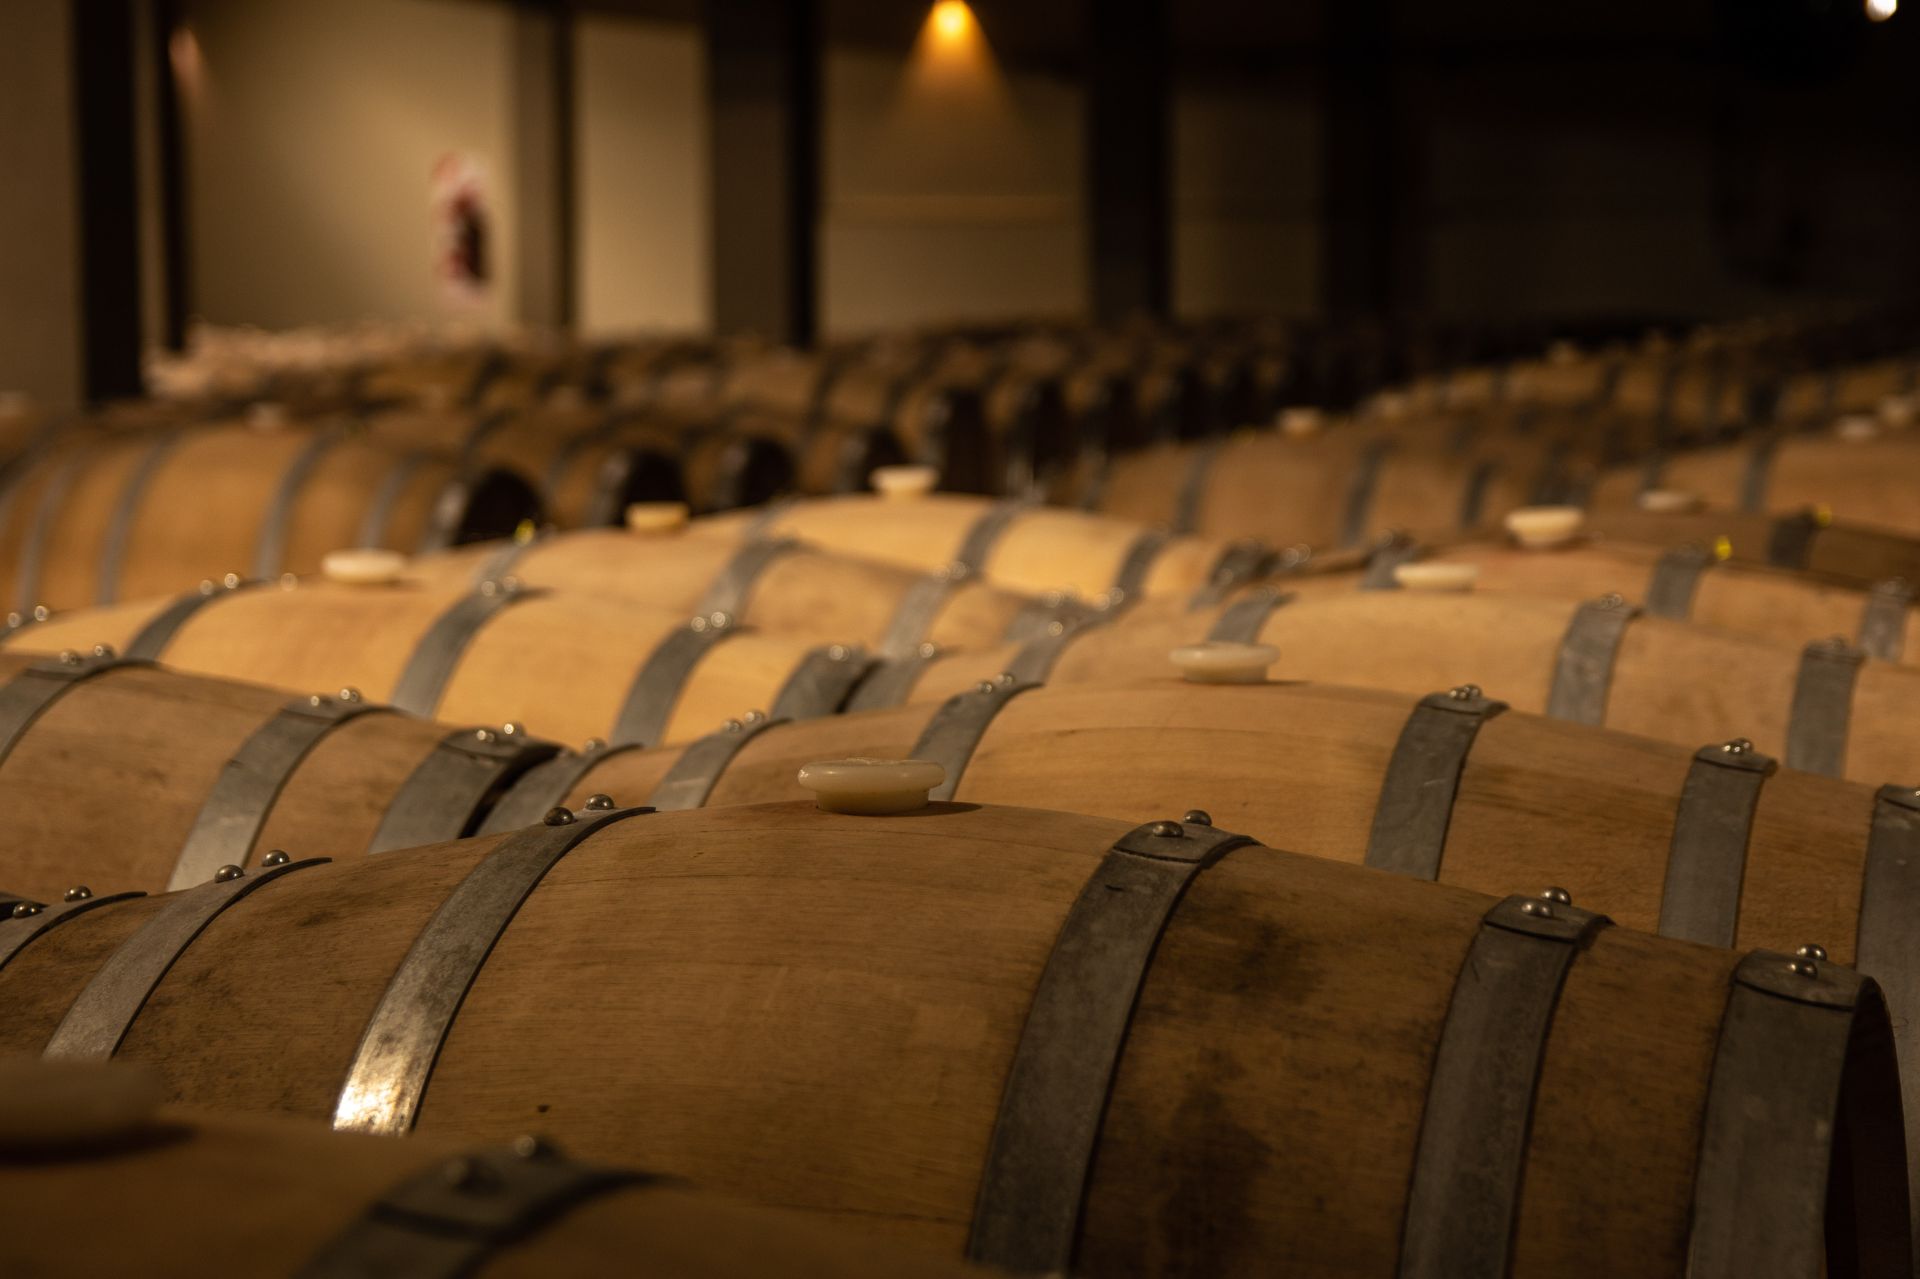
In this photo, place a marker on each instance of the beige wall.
(39, 269)
(311, 137)
(950, 193)
(1246, 195)
(641, 217)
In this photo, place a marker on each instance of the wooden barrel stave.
(315, 488)
(134, 756)
(1847, 553)
(1783, 605)
(1537, 800)
(1669, 680)
(1866, 482)
(560, 663)
(1336, 489)
(304, 1189)
(800, 1070)
(1042, 549)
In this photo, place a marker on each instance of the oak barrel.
(99, 519)
(121, 776)
(568, 666)
(783, 586)
(1824, 707)
(906, 1024)
(195, 1191)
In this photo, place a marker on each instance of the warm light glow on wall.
(1877, 10)
(183, 51)
(952, 54)
(951, 20)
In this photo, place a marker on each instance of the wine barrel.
(937, 425)
(782, 586)
(854, 396)
(1016, 545)
(1811, 541)
(1312, 766)
(1043, 1040)
(117, 772)
(588, 463)
(567, 666)
(1818, 396)
(1024, 410)
(76, 1141)
(1337, 489)
(1866, 481)
(1824, 708)
(99, 519)
(1689, 582)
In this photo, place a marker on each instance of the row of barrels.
(774, 1001)
(660, 635)
(93, 516)
(808, 1034)
(97, 519)
(955, 870)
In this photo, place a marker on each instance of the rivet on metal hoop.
(1198, 816)
(1812, 950)
(1558, 896)
(558, 817)
(78, 893)
(1166, 830)
(598, 803)
(466, 1175)
(226, 873)
(277, 857)
(1464, 692)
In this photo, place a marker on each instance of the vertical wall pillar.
(1129, 158)
(763, 89)
(39, 247)
(1372, 259)
(108, 172)
(543, 163)
(163, 176)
